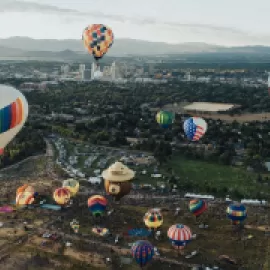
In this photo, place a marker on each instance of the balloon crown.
(179, 226)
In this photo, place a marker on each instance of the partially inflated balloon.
(97, 39)
(13, 114)
(195, 128)
(25, 195)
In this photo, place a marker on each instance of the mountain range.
(25, 47)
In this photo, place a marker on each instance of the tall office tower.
(93, 70)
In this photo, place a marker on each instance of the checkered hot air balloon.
(97, 39)
(153, 219)
(179, 235)
(62, 196)
(197, 207)
(195, 128)
(143, 252)
(165, 118)
(97, 205)
(237, 213)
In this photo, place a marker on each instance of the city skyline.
(231, 23)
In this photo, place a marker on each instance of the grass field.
(214, 178)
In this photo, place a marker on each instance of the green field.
(200, 176)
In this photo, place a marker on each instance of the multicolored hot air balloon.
(197, 207)
(97, 39)
(97, 205)
(25, 195)
(153, 219)
(165, 118)
(62, 196)
(73, 186)
(237, 213)
(179, 235)
(13, 114)
(117, 180)
(142, 252)
(195, 128)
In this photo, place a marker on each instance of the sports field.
(200, 176)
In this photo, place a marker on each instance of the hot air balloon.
(97, 39)
(195, 128)
(97, 205)
(237, 213)
(197, 207)
(179, 235)
(100, 231)
(25, 195)
(13, 114)
(142, 252)
(165, 118)
(62, 196)
(118, 180)
(73, 186)
(153, 219)
(75, 225)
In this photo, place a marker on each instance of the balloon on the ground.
(195, 128)
(25, 195)
(73, 186)
(179, 235)
(237, 213)
(75, 225)
(100, 231)
(13, 114)
(197, 207)
(97, 205)
(117, 180)
(165, 118)
(62, 196)
(97, 39)
(153, 219)
(142, 252)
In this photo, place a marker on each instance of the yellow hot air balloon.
(62, 196)
(153, 219)
(13, 114)
(73, 186)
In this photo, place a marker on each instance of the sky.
(219, 22)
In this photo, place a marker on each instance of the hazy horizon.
(230, 23)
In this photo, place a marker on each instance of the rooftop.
(209, 106)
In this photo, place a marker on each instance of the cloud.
(68, 15)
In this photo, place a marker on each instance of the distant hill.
(24, 47)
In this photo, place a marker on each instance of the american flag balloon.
(195, 128)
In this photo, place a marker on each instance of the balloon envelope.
(237, 213)
(142, 252)
(195, 128)
(153, 219)
(62, 196)
(179, 234)
(97, 39)
(165, 118)
(13, 113)
(97, 205)
(197, 207)
(73, 186)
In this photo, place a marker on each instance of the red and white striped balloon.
(179, 233)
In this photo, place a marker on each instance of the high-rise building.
(81, 70)
(93, 70)
(65, 69)
(87, 74)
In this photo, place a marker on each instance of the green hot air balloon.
(165, 118)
